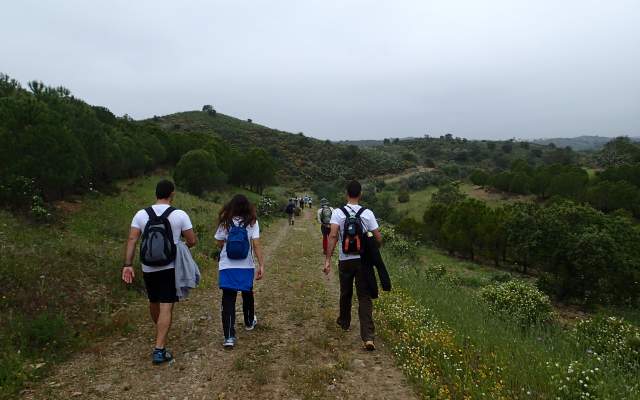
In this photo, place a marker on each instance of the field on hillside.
(419, 200)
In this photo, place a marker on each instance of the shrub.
(501, 277)
(45, 331)
(410, 228)
(519, 301)
(403, 197)
(267, 207)
(198, 171)
(612, 338)
(397, 243)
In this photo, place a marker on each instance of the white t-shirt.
(253, 231)
(178, 219)
(368, 221)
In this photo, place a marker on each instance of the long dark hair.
(240, 207)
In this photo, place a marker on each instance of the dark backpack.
(238, 242)
(353, 232)
(325, 215)
(291, 208)
(157, 248)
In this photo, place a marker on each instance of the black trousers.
(229, 310)
(351, 270)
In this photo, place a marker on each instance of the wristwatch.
(125, 265)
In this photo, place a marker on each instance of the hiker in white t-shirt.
(350, 265)
(238, 236)
(159, 275)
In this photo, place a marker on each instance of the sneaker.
(253, 324)
(342, 326)
(369, 345)
(161, 356)
(229, 343)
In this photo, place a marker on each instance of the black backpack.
(291, 208)
(157, 248)
(353, 232)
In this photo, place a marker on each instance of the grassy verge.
(61, 287)
(451, 346)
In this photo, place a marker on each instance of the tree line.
(54, 145)
(578, 252)
(615, 188)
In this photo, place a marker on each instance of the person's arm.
(331, 246)
(378, 236)
(257, 249)
(190, 237)
(130, 251)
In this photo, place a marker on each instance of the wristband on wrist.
(125, 265)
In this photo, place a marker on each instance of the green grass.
(61, 286)
(419, 200)
(417, 204)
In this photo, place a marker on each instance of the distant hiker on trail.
(238, 236)
(324, 219)
(301, 201)
(349, 225)
(291, 211)
(160, 227)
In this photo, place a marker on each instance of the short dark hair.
(354, 189)
(164, 188)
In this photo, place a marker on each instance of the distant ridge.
(580, 143)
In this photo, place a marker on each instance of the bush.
(519, 301)
(397, 243)
(198, 171)
(267, 207)
(501, 277)
(411, 228)
(45, 331)
(403, 197)
(611, 338)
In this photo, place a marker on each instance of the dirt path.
(296, 352)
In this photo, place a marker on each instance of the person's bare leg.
(154, 310)
(163, 324)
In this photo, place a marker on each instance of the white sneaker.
(253, 324)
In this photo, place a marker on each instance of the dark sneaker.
(253, 324)
(342, 326)
(161, 356)
(369, 345)
(229, 343)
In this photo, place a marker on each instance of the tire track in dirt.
(296, 352)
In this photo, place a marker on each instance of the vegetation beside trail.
(452, 343)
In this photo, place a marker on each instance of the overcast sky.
(345, 69)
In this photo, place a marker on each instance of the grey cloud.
(345, 69)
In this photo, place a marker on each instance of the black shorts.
(161, 286)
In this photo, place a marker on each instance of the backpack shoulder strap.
(344, 210)
(168, 211)
(360, 211)
(151, 213)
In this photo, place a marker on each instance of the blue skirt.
(236, 279)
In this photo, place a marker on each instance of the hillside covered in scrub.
(298, 157)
